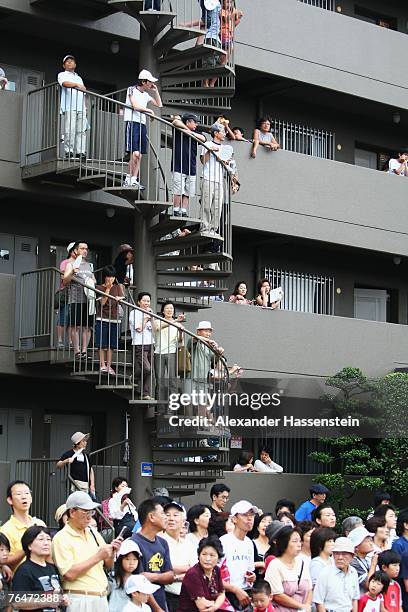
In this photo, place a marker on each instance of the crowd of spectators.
(205, 558)
(265, 295)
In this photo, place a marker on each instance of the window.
(370, 304)
(371, 157)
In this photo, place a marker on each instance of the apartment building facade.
(320, 217)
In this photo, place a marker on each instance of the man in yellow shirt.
(19, 498)
(80, 555)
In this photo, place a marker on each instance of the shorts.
(136, 139)
(78, 315)
(106, 335)
(184, 184)
(62, 315)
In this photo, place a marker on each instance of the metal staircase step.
(193, 239)
(201, 72)
(148, 208)
(165, 224)
(186, 290)
(191, 465)
(92, 9)
(181, 93)
(169, 275)
(187, 304)
(174, 36)
(187, 478)
(199, 106)
(177, 59)
(155, 21)
(194, 258)
(131, 7)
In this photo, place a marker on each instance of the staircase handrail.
(109, 447)
(219, 358)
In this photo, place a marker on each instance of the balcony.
(324, 48)
(304, 196)
(280, 342)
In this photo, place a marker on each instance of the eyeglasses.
(87, 512)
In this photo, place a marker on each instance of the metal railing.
(303, 292)
(304, 139)
(329, 5)
(121, 346)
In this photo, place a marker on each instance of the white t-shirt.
(71, 99)
(166, 340)
(272, 468)
(144, 337)
(142, 99)
(212, 169)
(182, 553)
(239, 557)
(394, 164)
(131, 607)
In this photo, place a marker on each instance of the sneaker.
(111, 371)
(135, 184)
(61, 345)
(127, 181)
(148, 397)
(177, 212)
(103, 369)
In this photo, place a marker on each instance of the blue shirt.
(402, 576)
(400, 545)
(304, 512)
(184, 154)
(155, 559)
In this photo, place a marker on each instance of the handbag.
(183, 360)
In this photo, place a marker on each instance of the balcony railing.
(329, 5)
(303, 292)
(304, 139)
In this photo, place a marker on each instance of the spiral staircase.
(190, 266)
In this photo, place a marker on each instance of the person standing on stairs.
(80, 468)
(184, 162)
(141, 328)
(138, 97)
(212, 188)
(73, 109)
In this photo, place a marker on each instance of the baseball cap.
(70, 246)
(129, 546)
(174, 504)
(357, 535)
(140, 584)
(189, 117)
(69, 56)
(204, 325)
(211, 4)
(81, 500)
(145, 75)
(216, 127)
(343, 545)
(242, 507)
(319, 488)
(273, 529)
(125, 247)
(60, 511)
(78, 436)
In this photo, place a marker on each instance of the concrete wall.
(300, 195)
(282, 342)
(296, 41)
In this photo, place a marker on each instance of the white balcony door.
(370, 304)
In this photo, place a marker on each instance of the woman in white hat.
(80, 469)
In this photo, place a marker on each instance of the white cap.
(204, 325)
(343, 545)
(210, 4)
(70, 246)
(140, 584)
(242, 507)
(358, 534)
(129, 546)
(145, 75)
(78, 436)
(81, 500)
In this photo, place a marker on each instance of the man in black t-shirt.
(80, 468)
(184, 162)
(155, 561)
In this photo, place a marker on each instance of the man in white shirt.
(141, 329)
(265, 463)
(183, 554)
(239, 555)
(336, 588)
(212, 187)
(399, 166)
(72, 108)
(138, 97)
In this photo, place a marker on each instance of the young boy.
(262, 597)
(138, 588)
(4, 581)
(138, 97)
(373, 601)
(184, 162)
(389, 562)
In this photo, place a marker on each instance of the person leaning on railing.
(73, 108)
(141, 328)
(263, 137)
(167, 339)
(107, 319)
(238, 296)
(263, 297)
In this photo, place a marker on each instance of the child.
(264, 137)
(4, 580)
(373, 601)
(389, 563)
(262, 597)
(138, 589)
(126, 565)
